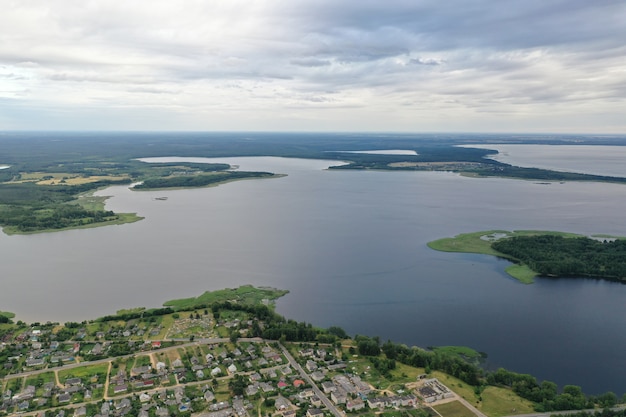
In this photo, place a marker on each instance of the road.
(331, 407)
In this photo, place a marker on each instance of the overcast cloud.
(393, 65)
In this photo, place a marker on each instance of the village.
(179, 366)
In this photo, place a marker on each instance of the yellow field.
(80, 180)
(64, 178)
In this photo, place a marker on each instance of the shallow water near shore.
(350, 246)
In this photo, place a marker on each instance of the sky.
(314, 65)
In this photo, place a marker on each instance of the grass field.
(7, 314)
(454, 409)
(480, 242)
(84, 372)
(499, 402)
(40, 379)
(463, 351)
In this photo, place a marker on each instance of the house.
(209, 396)
(355, 404)
(377, 402)
(328, 387)
(64, 398)
(120, 388)
(311, 366)
(318, 376)
(97, 349)
(314, 412)
(298, 383)
(35, 361)
(216, 371)
(316, 401)
(72, 381)
(282, 403)
(339, 396)
(252, 389)
(232, 369)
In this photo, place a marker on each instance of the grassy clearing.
(463, 351)
(469, 243)
(82, 372)
(40, 379)
(499, 402)
(454, 409)
(522, 273)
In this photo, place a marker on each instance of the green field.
(497, 402)
(87, 371)
(454, 409)
(480, 242)
(463, 351)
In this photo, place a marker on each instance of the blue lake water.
(351, 248)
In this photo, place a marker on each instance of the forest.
(557, 256)
(201, 180)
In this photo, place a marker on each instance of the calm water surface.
(351, 248)
(586, 159)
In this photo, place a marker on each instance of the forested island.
(201, 180)
(551, 254)
(48, 178)
(232, 344)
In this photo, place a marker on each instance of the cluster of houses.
(50, 394)
(157, 388)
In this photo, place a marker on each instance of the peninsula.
(545, 253)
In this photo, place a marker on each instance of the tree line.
(200, 180)
(551, 255)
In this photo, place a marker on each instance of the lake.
(350, 246)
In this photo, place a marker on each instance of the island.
(545, 253)
(228, 353)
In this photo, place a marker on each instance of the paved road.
(308, 379)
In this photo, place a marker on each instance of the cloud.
(403, 57)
